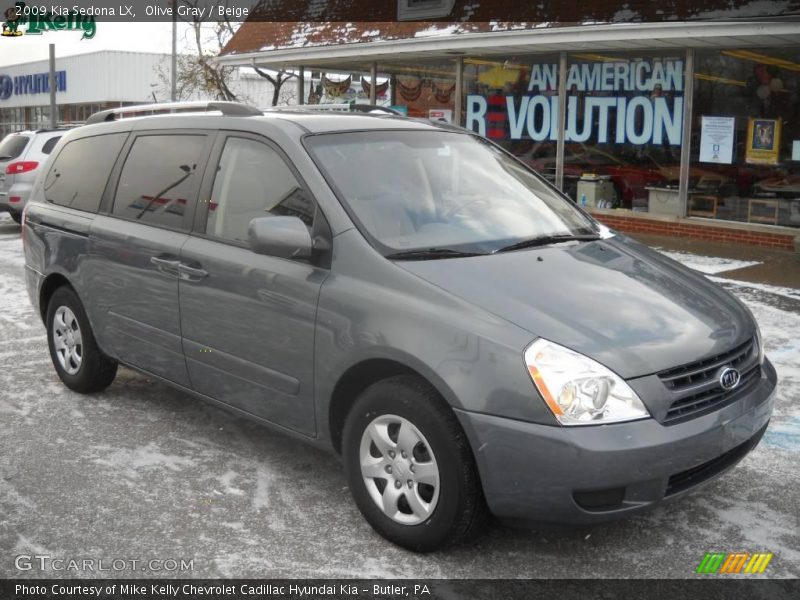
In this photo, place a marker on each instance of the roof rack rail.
(230, 109)
(59, 128)
(344, 107)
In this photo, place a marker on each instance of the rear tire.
(17, 217)
(410, 467)
(78, 361)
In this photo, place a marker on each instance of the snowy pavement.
(143, 472)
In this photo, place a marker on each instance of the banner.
(624, 102)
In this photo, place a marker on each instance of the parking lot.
(142, 472)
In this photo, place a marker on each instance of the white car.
(21, 156)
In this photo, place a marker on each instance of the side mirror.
(284, 237)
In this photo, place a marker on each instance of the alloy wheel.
(399, 469)
(67, 340)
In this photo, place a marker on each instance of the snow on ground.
(708, 264)
(143, 471)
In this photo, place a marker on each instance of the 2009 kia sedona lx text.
(403, 293)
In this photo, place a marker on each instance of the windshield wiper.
(431, 253)
(546, 240)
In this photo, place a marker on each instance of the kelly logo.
(40, 20)
(734, 563)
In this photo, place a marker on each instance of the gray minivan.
(403, 293)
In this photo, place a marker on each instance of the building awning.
(440, 43)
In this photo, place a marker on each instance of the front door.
(248, 320)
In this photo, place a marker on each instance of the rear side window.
(12, 146)
(80, 172)
(159, 179)
(50, 144)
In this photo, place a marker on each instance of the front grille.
(696, 386)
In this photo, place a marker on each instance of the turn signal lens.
(579, 390)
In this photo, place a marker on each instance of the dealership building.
(87, 83)
(658, 117)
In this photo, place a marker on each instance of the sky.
(137, 37)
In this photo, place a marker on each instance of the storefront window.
(624, 122)
(745, 154)
(422, 89)
(345, 85)
(623, 130)
(513, 100)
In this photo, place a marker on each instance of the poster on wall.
(716, 140)
(763, 141)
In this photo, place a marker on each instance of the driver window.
(252, 181)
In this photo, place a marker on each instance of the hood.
(626, 306)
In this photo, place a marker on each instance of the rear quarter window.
(80, 172)
(13, 145)
(48, 146)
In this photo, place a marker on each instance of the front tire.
(410, 467)
(78, 361)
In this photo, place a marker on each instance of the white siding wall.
(106, 76)
(115, 76)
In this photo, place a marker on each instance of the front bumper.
(546, 474)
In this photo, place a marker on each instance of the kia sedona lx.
(403, 293)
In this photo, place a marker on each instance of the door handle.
(166, 265)
(191, 273)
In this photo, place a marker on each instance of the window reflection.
(253, 181)
(159, 179)
(70, 183)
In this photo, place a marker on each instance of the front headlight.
(579, 390)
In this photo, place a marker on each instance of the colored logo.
(734, 563)
(58, 18)
(13, 21)
(729, 378)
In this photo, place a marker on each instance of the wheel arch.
(50, 284)
(359, 377)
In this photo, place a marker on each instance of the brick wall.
(701, 231)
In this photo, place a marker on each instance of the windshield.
(424, 190)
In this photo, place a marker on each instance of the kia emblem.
(729, 378)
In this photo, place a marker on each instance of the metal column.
(53, 114)
(562, 119)
(686, 136)
(301, 86)
(459, 99)
(373, 74)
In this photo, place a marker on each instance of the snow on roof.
(306, 23)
